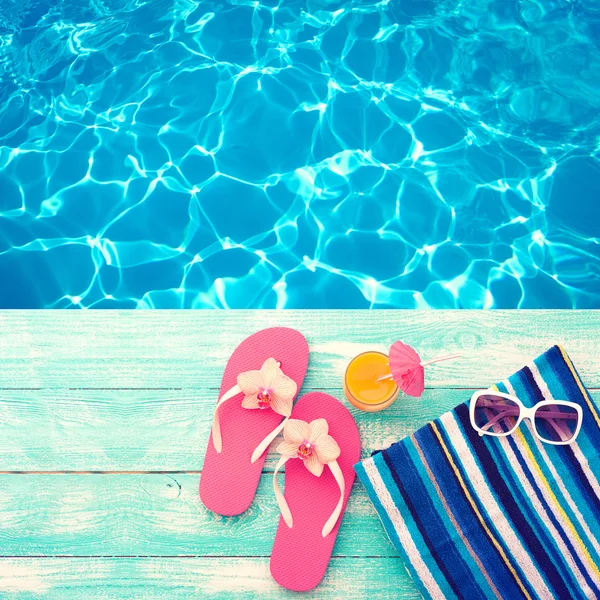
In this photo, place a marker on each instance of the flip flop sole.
(229, 480)
(301, 554)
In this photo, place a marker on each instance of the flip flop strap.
(335, 515)
(216, 427)
(285, 509)
(258, 452)
(281, 502)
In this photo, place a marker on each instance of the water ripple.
(292, 154)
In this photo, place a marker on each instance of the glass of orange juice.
(362, 385)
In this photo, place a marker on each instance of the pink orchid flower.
(268, 388)
(310, 443)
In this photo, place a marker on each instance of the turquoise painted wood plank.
(154, 515)
(150, 430)
(188, 349)
(182, 579)
(184, 353)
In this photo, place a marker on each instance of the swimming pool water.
(295, 154)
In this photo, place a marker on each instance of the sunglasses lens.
(556, 422)
(496, 415)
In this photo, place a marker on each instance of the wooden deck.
(105, 416)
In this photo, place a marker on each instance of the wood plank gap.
(126, 389)
(178, 556)
(104, 472)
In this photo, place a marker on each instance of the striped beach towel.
(484, 517)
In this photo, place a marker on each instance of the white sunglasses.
(554, 421)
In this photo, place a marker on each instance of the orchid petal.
(296, 431)
(284, 386)
(327, 449)
(250, 382)
(250, 401)
(269, 372)
(314, 465)
(288, 449)
(276, 379)
(282, 406)
(318, 427)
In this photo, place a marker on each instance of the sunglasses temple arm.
(564, 435)
(556, 415)
(549, 417)
(541, 414)
(511, 412)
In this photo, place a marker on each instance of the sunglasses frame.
(524, 413)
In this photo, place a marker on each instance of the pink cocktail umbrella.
(407, 369)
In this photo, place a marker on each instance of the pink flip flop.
(323, 435)
(264, 372)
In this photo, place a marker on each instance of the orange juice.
(361, 384)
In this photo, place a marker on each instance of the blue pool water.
(277, 153)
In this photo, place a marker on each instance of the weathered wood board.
(129, 396)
